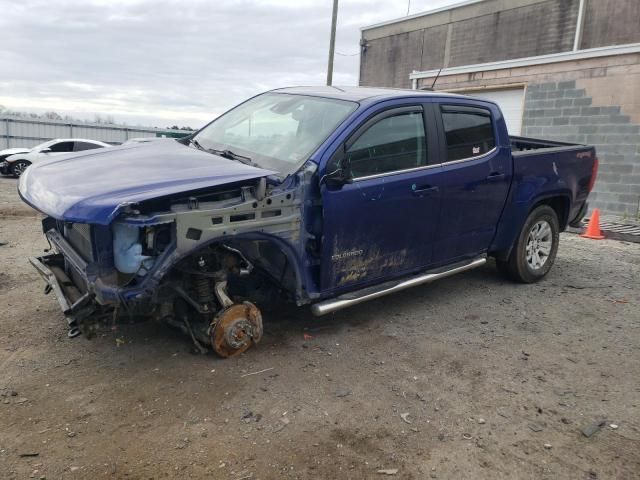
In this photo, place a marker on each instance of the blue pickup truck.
(323, 196)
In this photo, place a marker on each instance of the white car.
(7, 152)
(142, 140)
(17, 163)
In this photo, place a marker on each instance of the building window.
(468, 131)
(392, 144)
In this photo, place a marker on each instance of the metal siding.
(28, 132)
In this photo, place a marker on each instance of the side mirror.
(45, 150)
(336, 178)
(339, 170)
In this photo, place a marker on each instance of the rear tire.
(535, 250)
(19, 167)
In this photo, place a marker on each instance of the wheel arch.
(559, 202)
(270, 253)
(13, 163)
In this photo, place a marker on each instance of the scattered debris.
(502, 413)
(509, 390)
(613, 426)
(30, 454)
(547, 446)
(342, 392)
(388, 471)
(283, 423)
(256, 373)
(3, 243)
(536, 427)
(482, 421)
(184, 443)
(592, 428)
(405, 417)
(248, 416)
(467, 436)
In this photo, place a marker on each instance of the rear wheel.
(535, 251)
(19, 167)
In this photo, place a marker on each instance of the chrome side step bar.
(347, 300)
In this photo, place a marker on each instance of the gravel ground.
(470, 377)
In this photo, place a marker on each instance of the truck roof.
(361, 93)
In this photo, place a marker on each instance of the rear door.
(381, 224)
(474, 180)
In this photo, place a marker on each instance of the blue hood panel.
(91, 187)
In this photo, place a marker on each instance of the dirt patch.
(470, 377)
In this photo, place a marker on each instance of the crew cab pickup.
(322, 196)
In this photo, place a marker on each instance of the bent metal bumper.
(75, 305)
(5, 168)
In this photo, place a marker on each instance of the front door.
(381, 225)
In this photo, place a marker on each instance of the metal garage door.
(511, 103)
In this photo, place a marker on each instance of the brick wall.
(518, 31)
(527, 31)
(563, 111)
(611, 22)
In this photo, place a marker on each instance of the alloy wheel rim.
(539, 243)
(19, 168)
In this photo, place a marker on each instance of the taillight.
(594, 174)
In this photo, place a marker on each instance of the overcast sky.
(162, 62)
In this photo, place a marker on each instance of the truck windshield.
(276, 131)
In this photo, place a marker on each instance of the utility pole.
(332, 43)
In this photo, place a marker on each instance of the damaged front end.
(204, 262)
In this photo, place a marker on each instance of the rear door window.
(468, 131)
(392, 144)
(62, 147)
(80, 146)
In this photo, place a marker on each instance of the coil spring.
(203, 287)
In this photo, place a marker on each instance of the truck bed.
(524, 145)
(555, 167)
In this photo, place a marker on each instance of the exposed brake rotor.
(235, 328)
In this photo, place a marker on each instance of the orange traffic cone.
(593, 229)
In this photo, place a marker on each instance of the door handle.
(424, 190)
(495, 176)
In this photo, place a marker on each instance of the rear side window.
(468, 131)
(392, 144)
(80, 146)
(62, 147)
